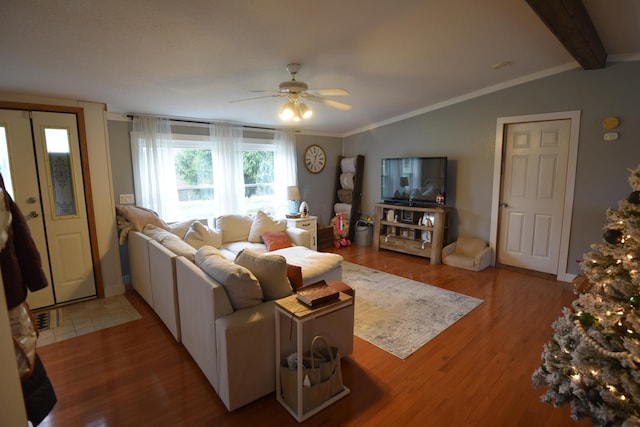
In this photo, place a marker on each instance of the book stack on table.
(317, 294)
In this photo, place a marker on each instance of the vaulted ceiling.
(396, 58)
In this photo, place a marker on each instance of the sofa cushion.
(170, 241)
(270, 270)
(180, 228)
(263, 223)
(275, 240)
(314, 264)
(199, 235)
(241, 285)
(235, 228)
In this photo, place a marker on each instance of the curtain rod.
(201, 122)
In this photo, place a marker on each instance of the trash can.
(364, 234)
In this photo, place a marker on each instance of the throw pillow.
(294, 273)
(275, 240)
(235, 228)
(263, 223)
(199, 235)
(241, 285)
(270, 270)
(180, 228)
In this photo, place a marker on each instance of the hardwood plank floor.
(475, 373)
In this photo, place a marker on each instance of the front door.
(533, 193)
(40, 162)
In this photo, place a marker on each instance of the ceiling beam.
(569, 21)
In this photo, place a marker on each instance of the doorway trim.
(501, 125)
(86, 176)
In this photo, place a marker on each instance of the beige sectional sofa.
(231, 340)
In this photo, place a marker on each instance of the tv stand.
(408, 233)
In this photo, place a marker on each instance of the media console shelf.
(412, 230)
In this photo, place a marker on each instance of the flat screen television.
(413, 181)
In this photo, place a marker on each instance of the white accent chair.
(469, 253)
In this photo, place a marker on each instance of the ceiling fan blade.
(331, 92)
(255, 97)
(275, 92)
(329, 102)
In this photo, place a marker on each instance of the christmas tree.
(593, 359)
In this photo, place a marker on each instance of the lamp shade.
(293, 193)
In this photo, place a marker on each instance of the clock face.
(315, 159)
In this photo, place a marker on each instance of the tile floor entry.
(59, 324)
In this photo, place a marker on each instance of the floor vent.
(43, 320)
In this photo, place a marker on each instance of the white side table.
(291, 310)
(310, 224)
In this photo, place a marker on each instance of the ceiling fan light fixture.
(305, 112)
(288, 111)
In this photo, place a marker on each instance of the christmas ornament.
(586, 319)
(634, 197)
(613, 236)
(581, 284)
(634, 300)
(594, 397)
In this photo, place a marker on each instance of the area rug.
(400, 315)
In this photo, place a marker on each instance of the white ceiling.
(191, 58)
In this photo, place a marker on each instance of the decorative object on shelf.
(293, 194)
(315, 158)
(304, 210)
(407, 216)
(390, 215)
(427, 219)
(440, 199)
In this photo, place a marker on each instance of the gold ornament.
(581, 284)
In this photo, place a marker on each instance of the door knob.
(34, 214)
(504, 204)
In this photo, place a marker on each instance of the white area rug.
(401, 315)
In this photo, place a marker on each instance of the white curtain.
(286, 167)
(228, 177)
(154, 174)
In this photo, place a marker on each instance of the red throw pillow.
(294, 274)
(276, 240)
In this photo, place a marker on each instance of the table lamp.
(293, 195)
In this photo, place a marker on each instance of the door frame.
(502, 123)
(86, 176)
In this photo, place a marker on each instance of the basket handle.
(316, 340)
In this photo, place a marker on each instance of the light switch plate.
(127, 199)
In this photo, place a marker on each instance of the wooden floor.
(475, 373)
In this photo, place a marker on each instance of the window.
(184, 176)
(195, 178)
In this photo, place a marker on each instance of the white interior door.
(533, 194)
(18, 167)
(46, 174)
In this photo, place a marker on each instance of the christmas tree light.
(593, 358)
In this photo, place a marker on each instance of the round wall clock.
(315, 158)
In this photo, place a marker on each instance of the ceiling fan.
(296, 91)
